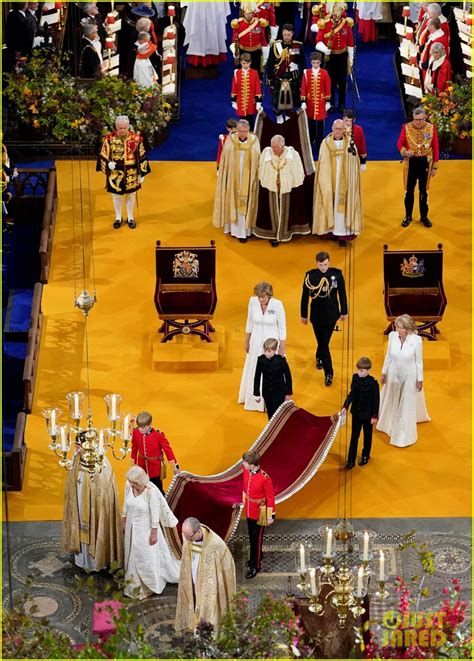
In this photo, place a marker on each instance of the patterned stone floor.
(34, 555)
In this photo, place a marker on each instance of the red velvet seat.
(185, 293)
(413, 284)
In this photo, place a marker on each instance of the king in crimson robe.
(91, 526)
(235, 204)
(337, 208)
(215, 582)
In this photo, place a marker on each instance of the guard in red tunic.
(231, 126)
(419, 148)
(246, 92)
(266, 10)
(248, 36)
(148, 447)
(335, 39)
(316, 98)
(259, 506)
(348, 117)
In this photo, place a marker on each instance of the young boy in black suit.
(364, 397)
(275, 375)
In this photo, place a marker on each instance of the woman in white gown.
(149, 563)
(266, 319)
(402, 402)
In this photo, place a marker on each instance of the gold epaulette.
(234, 23)
(321, 23)
(263, 23)
(350, 22)
(316, 9)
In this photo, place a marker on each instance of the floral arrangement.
(451, 111)
(43, 95)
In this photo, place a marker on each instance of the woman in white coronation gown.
(149, 562)
(266, 319)
(402, 401)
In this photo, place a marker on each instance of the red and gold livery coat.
(266, 10)
(422, 141)
(147, 451)
(336, 34)
(130, 160)
(249, 35)
(258, 493)
(246, 91)
(315, 92)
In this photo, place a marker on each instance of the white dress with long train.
(148, 567)
(401, 406)
(261, 326)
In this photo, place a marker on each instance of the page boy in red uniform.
(246, 92)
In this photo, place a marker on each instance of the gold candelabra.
(89, 442)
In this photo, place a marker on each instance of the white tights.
(118, 203)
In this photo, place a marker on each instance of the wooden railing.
(32, 348)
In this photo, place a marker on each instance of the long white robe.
(262, 326)
(370, 11)
(147, 567)
(401, 406)
(205, 26)
(144, 73)
(239, 229)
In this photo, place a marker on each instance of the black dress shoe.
(243, 240)
(319, 364)
(328, 380)
(252, 572)
(406, 221)
(117, 223)
(349, 465)
(363, 461)
(131, 223)
(426, 222)
(274, 243)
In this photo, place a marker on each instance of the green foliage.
(45, 96)
(274, 632)
(451, 111)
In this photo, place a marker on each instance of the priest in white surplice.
(236, 201)
(205, 26)
(337, 207)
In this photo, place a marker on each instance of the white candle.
(312, 574)
(302, 559)
(126, 428)
(382, 566)
(329, 542)
(63, 438)
(76, 406)
(365, 552)
(113, 412)
(53, 422)
(360, 573)
(101, 443)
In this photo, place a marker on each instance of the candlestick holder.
(314, 605)
(382, 593)
(366, 567)
(303, 585)
(328, 568)
(357, 609)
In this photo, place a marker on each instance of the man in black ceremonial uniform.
(326, 288)
(285, 67)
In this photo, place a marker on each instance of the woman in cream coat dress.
(266, 319)
(149, 563)
(402, 402)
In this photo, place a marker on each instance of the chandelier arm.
(91, 220)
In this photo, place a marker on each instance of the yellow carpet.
(198, 412)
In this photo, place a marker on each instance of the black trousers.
(272, 405)
(158, 483)
(357, 425)
(256, 543)
(417, 172)
(316, 132)
(337, 70)
(323, 337)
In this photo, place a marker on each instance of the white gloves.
(273, 32)
(234, 105)
(293, 66)
(321, 46)
(327, 105)
(314, 27)
(141, 180)
(232, 49)
(303, 106)
(259, 106)
(363, 167)
(111, 165)
(350, 50)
